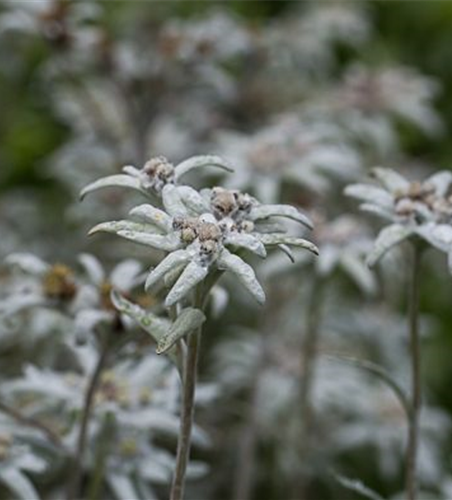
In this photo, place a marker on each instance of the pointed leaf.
(357, 486)
(287, 251)
(190, 277)
(383, 374)
(16, 303)
(201, 161)
(27, 262)
(438, 235)
(441, 181)
(154, 216)
(18, 483)
(122, 486)
(281, 239)
(328, 259)
(371, 194)
(193, 200)
(115, 226)
(359, 273)
(388, 237)
(247, 241)
(155, 326)
(188, 320)
(125, 275)
(86, 321)
(167, 243)
(390, 179)
(93, 267)
(384, 213)
(244, 272)
(170, 262)
(119, 180)
(172, 201)
(265, 211)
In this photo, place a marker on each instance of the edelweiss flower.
(157, 173)
(202, 231)
(416, 209)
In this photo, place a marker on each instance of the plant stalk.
(309, 357)
(245, 473)
(188, 406)
(413, 423)
(73, 491)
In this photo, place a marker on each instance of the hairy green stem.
(73, 490)
(413, 424)
(102, 450)
(245, 472)
(188, 405)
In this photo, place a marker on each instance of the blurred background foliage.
(417, 34)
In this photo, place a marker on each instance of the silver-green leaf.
(200, 162)
(389, 236)
(188, 320)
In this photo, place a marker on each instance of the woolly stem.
(413, 424)
(73, 490)
(309, 357)
(188, 405)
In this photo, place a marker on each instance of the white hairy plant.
(202, 233)
(421, 213)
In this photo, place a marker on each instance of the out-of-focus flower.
(85, 299)
(414, 209)
(371, 102)
(311, 155)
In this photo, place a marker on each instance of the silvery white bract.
(201, 233)
(343, 245)
(413, 208)
(311, 154)
(18, 458)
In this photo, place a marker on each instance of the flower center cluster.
(230, 203)
(157, 173)
(58, 283)
(5, 446)
(422, 202)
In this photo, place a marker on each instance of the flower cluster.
(201, 231)
(414, 209)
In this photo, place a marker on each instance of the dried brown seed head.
(58, 283)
